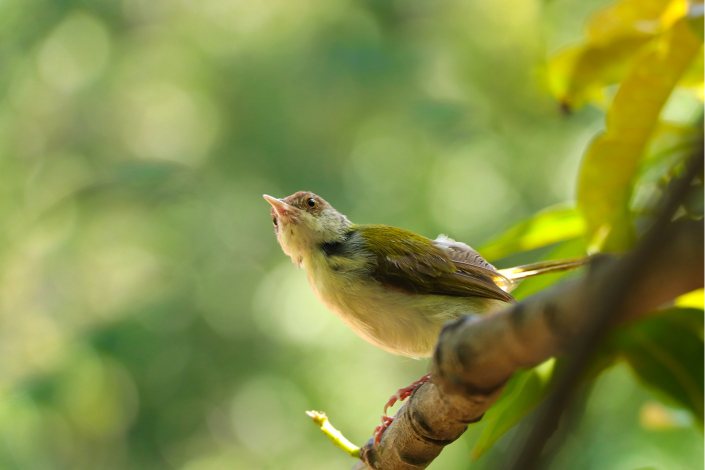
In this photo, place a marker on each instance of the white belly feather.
(396, 321)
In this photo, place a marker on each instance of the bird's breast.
(397, 321)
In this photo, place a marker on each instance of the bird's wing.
(465, 257)
(407, 261)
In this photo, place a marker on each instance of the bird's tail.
(518, 273)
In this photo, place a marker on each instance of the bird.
(393, 287)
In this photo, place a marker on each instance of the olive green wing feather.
(410, 262)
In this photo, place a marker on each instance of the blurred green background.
(148, 319)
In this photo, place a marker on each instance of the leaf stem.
(319, 418)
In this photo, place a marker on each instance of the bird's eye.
(311, 202)
(275, 221)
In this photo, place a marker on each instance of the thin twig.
(321, 420)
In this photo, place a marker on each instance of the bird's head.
(304, 221)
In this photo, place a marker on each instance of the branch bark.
(476, 355)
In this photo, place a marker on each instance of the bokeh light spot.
(267, 415)
(468, 190)
(75, 53)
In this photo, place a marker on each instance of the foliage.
(646, 48)
(666, 352)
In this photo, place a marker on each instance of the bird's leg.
(401, 395)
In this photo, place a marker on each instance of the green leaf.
(611, 163)
(552, 225)
(666, 353)
(521, 395)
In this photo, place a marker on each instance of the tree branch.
(476, 355)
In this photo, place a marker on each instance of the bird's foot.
(405, 392)
(379, 430)
(401, 395)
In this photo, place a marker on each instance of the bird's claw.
(401, 395)
(379, 430)
(405, 392)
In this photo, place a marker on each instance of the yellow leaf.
(611, 161)
(694, 299)
(578, 75)
(614, 36)
(634, 17)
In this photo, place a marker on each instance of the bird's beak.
(282, 208)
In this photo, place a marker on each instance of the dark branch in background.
(607, 306)
(475, 356)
